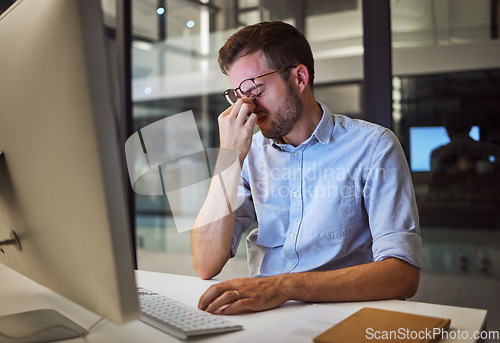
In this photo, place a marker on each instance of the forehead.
(247, 67)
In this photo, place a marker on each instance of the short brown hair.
(282, 44)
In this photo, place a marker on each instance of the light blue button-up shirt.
(341, 198)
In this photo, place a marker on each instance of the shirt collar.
(322, 133)
(324, 130)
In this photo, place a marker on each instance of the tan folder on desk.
(376, 325)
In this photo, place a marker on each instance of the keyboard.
(180, 320)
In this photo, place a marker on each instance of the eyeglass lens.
(247, 89)
(231, 96)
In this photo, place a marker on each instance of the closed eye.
(260, 89)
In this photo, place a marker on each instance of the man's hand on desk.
(243, 295)
(387, 279)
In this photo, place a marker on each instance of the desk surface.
(18, 293)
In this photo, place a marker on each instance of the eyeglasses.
(248, 88)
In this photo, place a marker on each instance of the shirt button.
(296, 154)
(290, 265)
(295, 194)
(292, 234)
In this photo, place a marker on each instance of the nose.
(257, 105)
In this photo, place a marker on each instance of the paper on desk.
(303, 325)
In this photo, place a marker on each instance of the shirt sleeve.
(390, 203)
(244, 212)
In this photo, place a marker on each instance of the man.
(332, 196)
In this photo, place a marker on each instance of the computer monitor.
(61, 179)
(424, 139)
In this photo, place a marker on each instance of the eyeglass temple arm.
(273, 72)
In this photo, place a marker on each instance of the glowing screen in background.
(424, 139)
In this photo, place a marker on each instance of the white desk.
(17, 294)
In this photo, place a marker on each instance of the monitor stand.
(38, 326)
(34, 326)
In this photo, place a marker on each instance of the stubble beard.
(286, 116)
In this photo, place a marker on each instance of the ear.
(302, 78)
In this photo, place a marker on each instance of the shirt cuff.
(404, 245)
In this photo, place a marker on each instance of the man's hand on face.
(243, 295)
(236, 127)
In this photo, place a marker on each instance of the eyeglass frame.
(228, 91)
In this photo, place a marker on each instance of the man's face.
(278, 107)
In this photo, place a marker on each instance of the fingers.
(237, 307)
(219, 304)
(235, 130)
(212, 294)
(240, 109)
(246, 110)
(207, 298)
(228, 303)
(251, 295)
(251, 120)
(218, 297)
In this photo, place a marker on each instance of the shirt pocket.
(272, 227)
(331, 210)
(270, 239)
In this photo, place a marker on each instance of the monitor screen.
(61, 177)
(424, 139)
